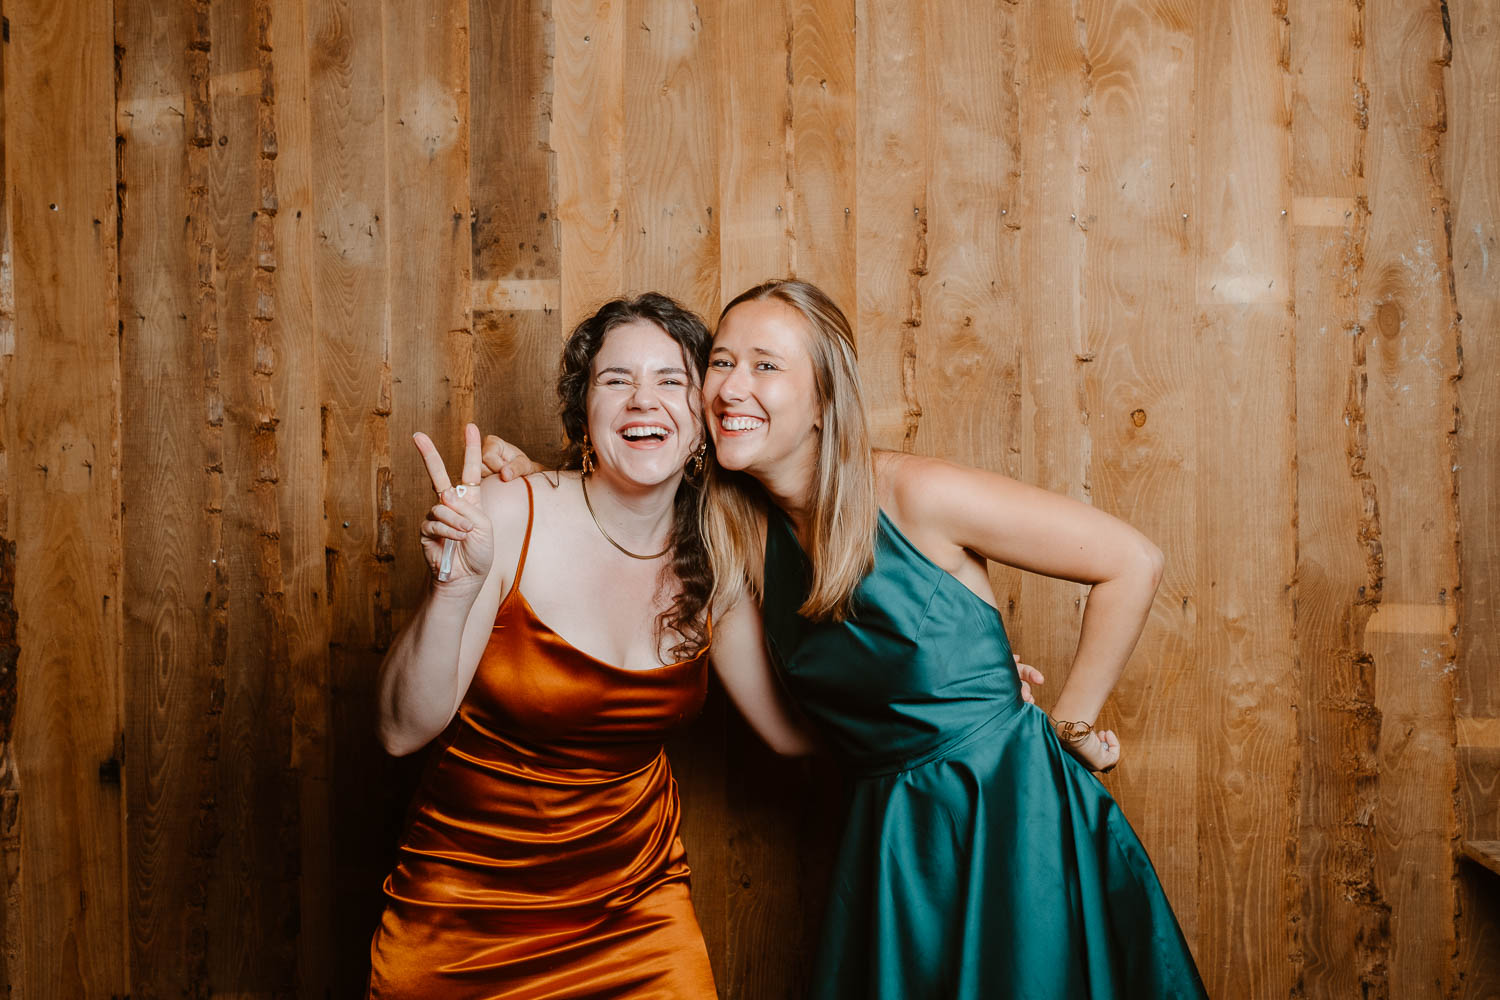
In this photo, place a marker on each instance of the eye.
(673, 382)
(765, 366)
(721, 363)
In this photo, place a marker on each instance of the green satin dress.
(979, 860)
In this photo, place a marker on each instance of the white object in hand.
(445, 568)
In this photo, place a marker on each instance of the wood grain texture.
(287, 143)
(1142, 406)
(821, 130)
(11, 933)
(891, 187)
(1472, 181)
(755, 168)
(1247, 789)
(1344, 930)
(1056, 442)
(969, 316)
(1225, 270)
(515, 237)
(669, 203)
(351, 289)
(431, 259)
(65, 453)
(252, 884)
(1408, 335)
(588, 133)
(170, 693)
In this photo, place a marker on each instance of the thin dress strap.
(515, 584)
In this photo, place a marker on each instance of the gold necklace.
(583, 481)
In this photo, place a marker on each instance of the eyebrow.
(756, 350)
(621, 370)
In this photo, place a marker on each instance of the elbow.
(792, 744)
(1153, 562)
(397, 740)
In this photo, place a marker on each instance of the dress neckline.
(536, 619)
(884, 521)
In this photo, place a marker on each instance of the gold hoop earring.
(695, 464)
(588, 455)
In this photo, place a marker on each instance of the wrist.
(456, 594)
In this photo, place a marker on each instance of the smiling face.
(643, 417)
(761, 396)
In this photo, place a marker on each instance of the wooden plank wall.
(1226, 269)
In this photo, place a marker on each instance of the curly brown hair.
(689, 563)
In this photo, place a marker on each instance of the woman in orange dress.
(562, 641)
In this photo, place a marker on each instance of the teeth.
(740, 423)
(644, 431)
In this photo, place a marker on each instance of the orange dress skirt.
(542, 858)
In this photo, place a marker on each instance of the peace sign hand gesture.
(457, 537)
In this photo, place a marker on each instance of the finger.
(1027, 671)
(1026, 694)
(436, 471)
(451, 515)
(497, 454)
(473, 462)
(437, 529)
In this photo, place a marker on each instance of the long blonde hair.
(842, 495)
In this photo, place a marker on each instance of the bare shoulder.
(915, 488)
(505, 503)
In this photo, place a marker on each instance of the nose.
(644, 396)
(732, 386)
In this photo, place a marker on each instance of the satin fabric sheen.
(979, 859)
(542, 858)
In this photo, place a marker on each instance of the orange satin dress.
(541, 859)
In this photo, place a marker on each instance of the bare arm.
(955, 511)
(744, 666)
(429, 667)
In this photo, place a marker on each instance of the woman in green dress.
(980, 857)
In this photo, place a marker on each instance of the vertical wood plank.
(1056, 443)
(1247, 782)
(512, 185)
(755, 177)
(252, 889)
(670, 237)
(294, 385)
(170, 703)
(350, 289)
(1409, 339)
(892, 156)
(1344, 927)
(821, 129)
(1139, 399)
(969, 291)
(1472, 181)
(431, 262)
(11, 935)
(68, 732)
(588, 131)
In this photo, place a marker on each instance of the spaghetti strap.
(515, 583)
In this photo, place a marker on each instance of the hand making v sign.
(457, 537)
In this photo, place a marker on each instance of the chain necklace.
(583, 481)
